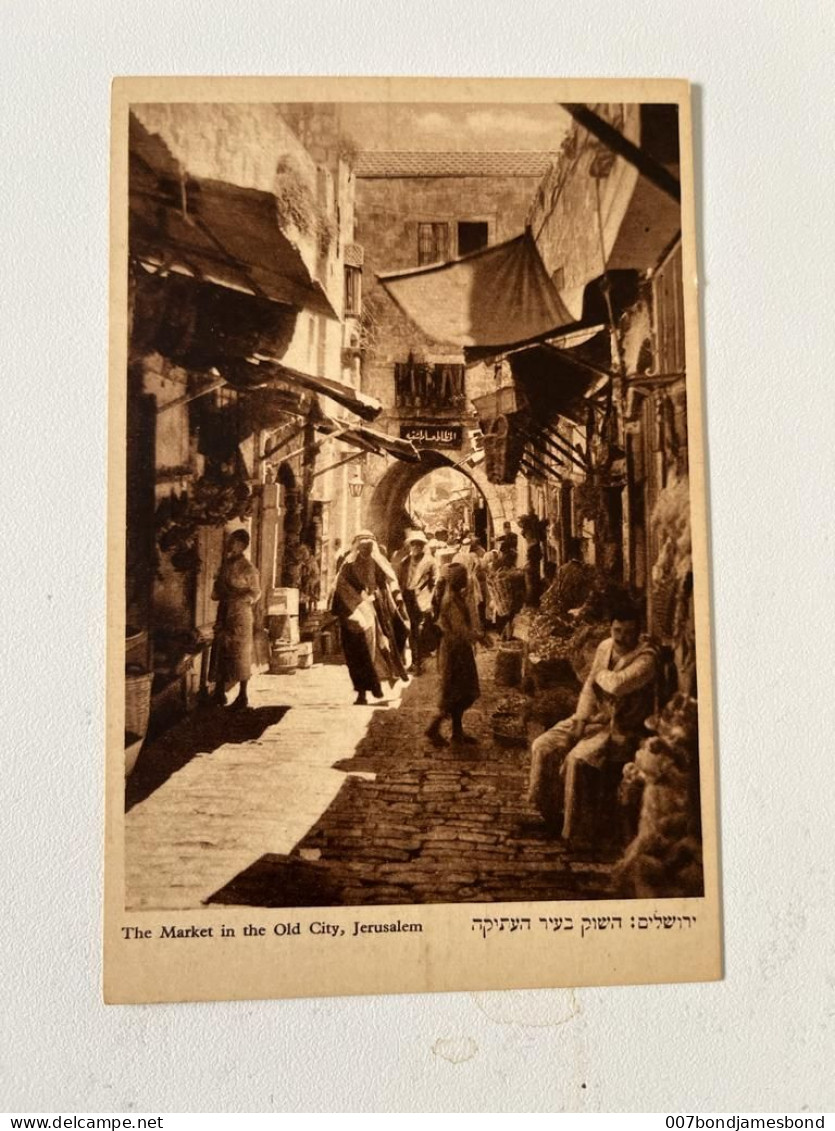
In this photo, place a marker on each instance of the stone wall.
(388, 213)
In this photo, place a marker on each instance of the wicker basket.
(503, 449)
(509, 663)
(136, 647)
(133, 744)
(663, 607)
(283, 659)
(509, 729)
(138, 702)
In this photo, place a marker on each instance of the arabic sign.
(433, 435)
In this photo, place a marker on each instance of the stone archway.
(386, 513)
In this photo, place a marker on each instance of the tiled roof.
(499, 163)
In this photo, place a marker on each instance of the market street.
(337, 804)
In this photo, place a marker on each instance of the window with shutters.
(433, 242)
(668, 296)
(419, 385)
(353, 292)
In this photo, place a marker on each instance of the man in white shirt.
(417, 576)
(607, 726)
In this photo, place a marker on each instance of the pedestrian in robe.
(237, 587)
(478, 569)
(509, 544)
(468, 557)
(417, 582)
(458, 675)
(374, 622)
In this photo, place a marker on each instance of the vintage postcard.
(409, 673)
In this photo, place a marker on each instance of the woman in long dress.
(369, 604)
(237, 587)
(459, 686)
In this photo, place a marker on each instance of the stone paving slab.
(338, 804)
(226, 809)
(448, 825)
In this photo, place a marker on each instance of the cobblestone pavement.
(426, 825)
(230, 803)
(336, 804)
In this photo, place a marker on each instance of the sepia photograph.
(407, 516)
(417, 690)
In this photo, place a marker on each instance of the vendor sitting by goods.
(606, 727)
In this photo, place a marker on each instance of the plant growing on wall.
(349, 151)
(210, 501)
(672, 577)
(294, 198)
(325, 231)
(291, 562)
(370, 325)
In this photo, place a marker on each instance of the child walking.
(459, 686)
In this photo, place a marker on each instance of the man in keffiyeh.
(369, 604)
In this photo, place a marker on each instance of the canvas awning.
(499, 296)
(553, 382)
(369, 439)
(587, 220)
(264, 369)
(217, 232)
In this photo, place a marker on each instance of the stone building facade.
(238, 241)
(413, 209)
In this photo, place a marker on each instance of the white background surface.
(761, 1040)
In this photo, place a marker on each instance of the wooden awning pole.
(613, 139)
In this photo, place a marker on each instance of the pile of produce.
(556, 635)
(210, 501)
(553, 705)
(510, 720)
(665, 858)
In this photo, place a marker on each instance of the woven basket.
(503, 449)
(136, 647)
(509, 663)
(138, 702)
(509, 729)
(283, 660)
(133, 745)
(663, 607)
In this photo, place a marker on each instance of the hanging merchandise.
(504, 446)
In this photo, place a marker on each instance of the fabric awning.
(586, 220)
(266, 369)
(214, 231)
(500, 296)
(552, 381)
(369, 439)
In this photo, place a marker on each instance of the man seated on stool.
(607, 726)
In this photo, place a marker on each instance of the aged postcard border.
(281, 957)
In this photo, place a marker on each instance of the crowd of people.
(435, 594)
(446, 595)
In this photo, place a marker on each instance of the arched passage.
(387, 514)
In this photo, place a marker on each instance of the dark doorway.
(472, 236)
